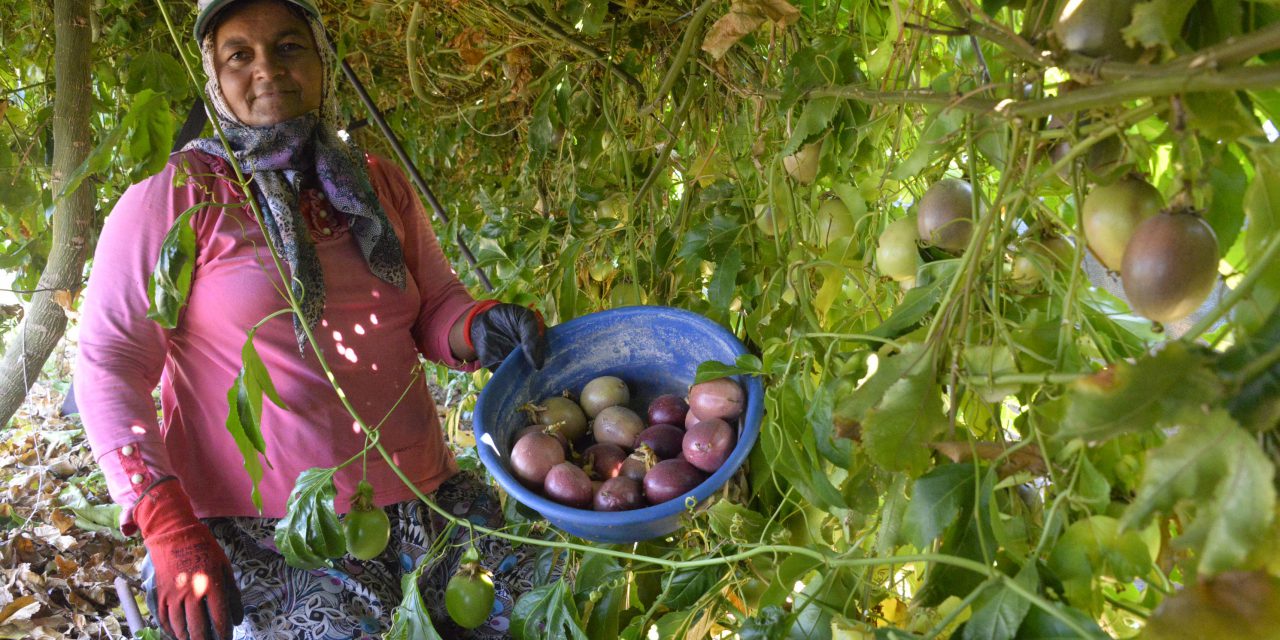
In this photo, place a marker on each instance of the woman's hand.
(195, 595)
(492, 330)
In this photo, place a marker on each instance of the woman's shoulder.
(196, 162)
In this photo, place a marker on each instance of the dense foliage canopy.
(978, 441)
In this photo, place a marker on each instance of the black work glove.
(497, 329)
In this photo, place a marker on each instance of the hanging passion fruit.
(834, 221)
(1039, 258)
(1170, 265)
(802, 165)
(1112, 212)
(896, 253)
(945, 218)
(1094, 28)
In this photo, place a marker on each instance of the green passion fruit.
(802, 165)
(1170, 266)
(1094, 28)
(1039, 258)
(834, 221)
(945, 218)
(896, 253)
(469, 596)
(366, 527)
(1112, 212)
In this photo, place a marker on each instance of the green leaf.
(170, 282)
(152, 126)
(897, 432)
(1092, 488)
(683, 587)
(1262, 209)
(244, 415)
(1219, 116)
(735, 522)
(1227, 184)
(1127, 398)
(986, 362)
(937, 498)
(104, 518)
(1093, 548)
(1000, 610)
(852, 410)
(769, 623)
(1042, 625)
(720, 291)
(593, 16)
(601, 594)
(541, 129)
(1223, 471)
(157, 71)
(970, 537)
(411, 620)
(746, 364)
(309, 534)
(546, 613)
(1156, 23)
(915, 305)
(814, 121)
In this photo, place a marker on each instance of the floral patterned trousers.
(356, 599)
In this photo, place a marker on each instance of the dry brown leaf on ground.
(744, 17)
(467, 44)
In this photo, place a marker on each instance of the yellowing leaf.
(1126, 397)
(1231, 605)
(1224, 472)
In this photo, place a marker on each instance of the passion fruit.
(1094, 28)
(1100, 162)
(896, 253)
(834, 221)
(534, 455)
(664, 439)
(802, 165)
(1039, 258)
(617, 425)
(560, 411)
(770, 220)
(619, 494)
(945, 218)
(1112, 212)
(719, 398)
(1170, 266)
(569, 486)
(668, 408)
(670, 479)
(603, 392)
(707, 445)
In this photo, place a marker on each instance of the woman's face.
(267, 63)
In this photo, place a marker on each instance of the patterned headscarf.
(280, 157)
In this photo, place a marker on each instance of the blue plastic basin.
(655, 350)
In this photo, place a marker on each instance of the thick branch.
(45, 320)
(1241, 78)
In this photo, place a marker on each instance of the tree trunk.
(45, 319)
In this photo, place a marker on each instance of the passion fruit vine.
(1170, 265)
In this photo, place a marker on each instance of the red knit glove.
(196, 596)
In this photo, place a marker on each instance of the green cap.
(207, 9)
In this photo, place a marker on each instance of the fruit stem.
(1256, 271)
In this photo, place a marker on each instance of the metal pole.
(408, 164)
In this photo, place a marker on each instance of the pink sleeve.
(128, 471)
(122, 352)
(444, 298)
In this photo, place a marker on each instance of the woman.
(376, 292)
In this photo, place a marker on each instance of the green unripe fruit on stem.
(896, 254)
(770, 220)
(802, 165)
(1170, 266)
(1112, 212)
(945, 218)
(1093, 28)
(1039, 258)
(834, 222)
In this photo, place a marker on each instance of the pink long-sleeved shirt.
(371, 335)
